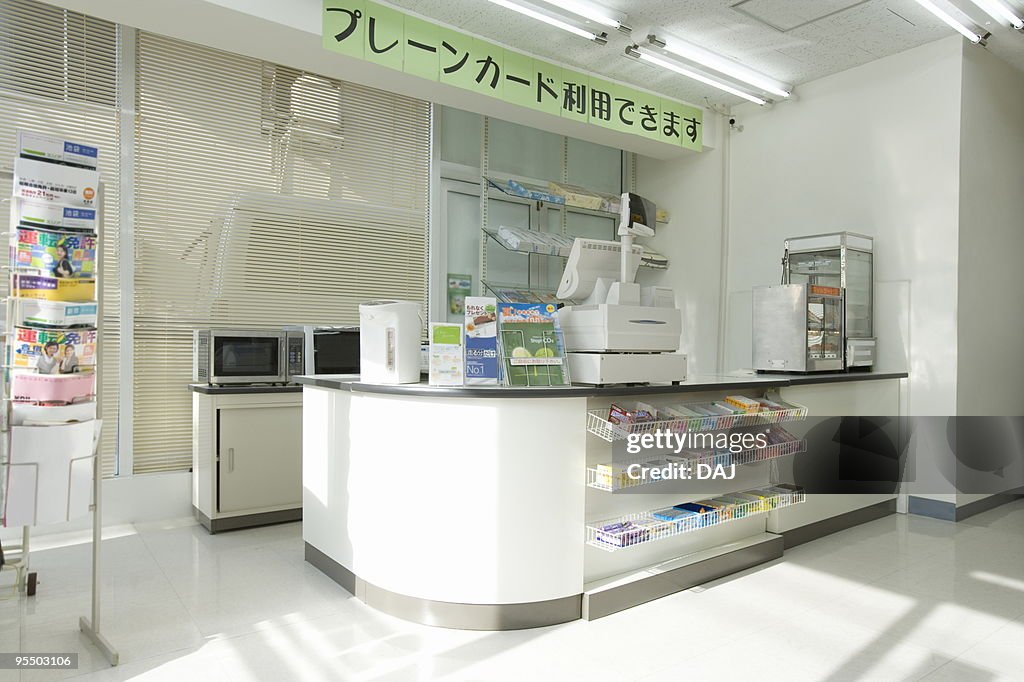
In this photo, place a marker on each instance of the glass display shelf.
(521, 240)
(600, 204)
(616, 476)
(519, 293)
(641, 528)
(772, 411)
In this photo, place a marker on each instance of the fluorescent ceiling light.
(598, 15)
(683, 71)
(722, 65)
(999, 10)
(537, 14)
(947, 13)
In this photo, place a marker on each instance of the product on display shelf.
(626, 533)
(744, 403)
(482, 366)
(53, 182)
(55, 216)
(531, 346)
(447, 354)
(53, 288)
(64, 255)
(534, 192)
(56, 150)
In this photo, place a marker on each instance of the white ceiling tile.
(827, 45)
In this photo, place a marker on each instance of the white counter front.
(467, 507)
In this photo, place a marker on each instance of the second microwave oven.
(235, 356)
(331, 350)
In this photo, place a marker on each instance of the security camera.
(732, 121)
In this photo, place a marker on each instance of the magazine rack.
(42, 416)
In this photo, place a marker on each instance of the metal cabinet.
(246, 457)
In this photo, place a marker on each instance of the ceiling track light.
(584, 10)
(955, 19)
(1001, 11)
(719, 64)
(636, 52)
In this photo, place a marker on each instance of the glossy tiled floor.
(899, 598)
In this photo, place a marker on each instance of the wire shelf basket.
(598, 424)
(640, 528)
(624, 475)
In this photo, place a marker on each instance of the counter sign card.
(532, 350)
(446, 354)
(481, 340)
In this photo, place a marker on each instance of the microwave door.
(247, 359)
(335, 351)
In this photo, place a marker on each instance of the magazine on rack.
(52, 389)
(53, 351)
(55, 253)
(531, 345)
(55, 216)
(26, 285)
(31, 312)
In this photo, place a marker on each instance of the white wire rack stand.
(26, 579)
(598, 424)
(628, 531)
(624, 475)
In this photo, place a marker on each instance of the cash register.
(621, 333)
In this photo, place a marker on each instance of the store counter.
(467, 507)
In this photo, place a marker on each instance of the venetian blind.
(265, 196)
(58, 75)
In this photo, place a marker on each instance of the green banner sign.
(386, 36)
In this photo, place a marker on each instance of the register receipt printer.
(620, 333)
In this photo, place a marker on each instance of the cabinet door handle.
(231, 460)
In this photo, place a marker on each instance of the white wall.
(872, 150)
(692, 190)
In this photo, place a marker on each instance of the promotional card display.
(30, 312)
(481, 341)
(55, 216)
(446, 354)
(53, 288)
(63, 255)
(54, 351)
(55, 183)
(531, 345)
(56, 150)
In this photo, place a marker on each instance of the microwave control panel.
(296, 365)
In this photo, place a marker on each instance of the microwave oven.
(231, 356)
(331, 350)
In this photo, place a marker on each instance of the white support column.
(126, 249)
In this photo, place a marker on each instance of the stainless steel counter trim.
(449, 614)
(691, 386)
(206, 389)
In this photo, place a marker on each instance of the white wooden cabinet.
(246, 456)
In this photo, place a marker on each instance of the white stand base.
(99, 640)
(599, 369)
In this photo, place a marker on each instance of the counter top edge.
(694, 385)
